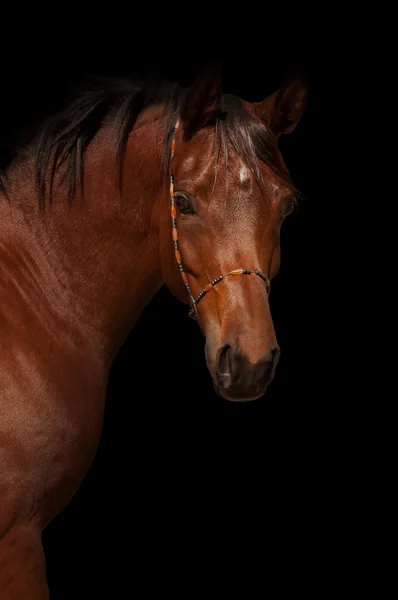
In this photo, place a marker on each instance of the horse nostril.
(224, 365)
(275, 353)
(223, 358)
(268, 363)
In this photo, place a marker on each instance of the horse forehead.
(197, 166)
(189, 163)
(204, 164)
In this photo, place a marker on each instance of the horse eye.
(183, 204)
(289, 208)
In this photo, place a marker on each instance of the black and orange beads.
(210, 285)
(173, 211)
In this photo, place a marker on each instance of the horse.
(131, 186)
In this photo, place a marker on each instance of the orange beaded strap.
(173, 211)
(193, 313)
(210, 285)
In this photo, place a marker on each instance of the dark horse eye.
(183, 204)
(289, 208)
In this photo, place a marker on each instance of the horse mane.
(63, 138)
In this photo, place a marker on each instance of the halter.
(194, 301)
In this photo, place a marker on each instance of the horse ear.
(202, 100)
(282, 110)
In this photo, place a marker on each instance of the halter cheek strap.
(194, 301)
(174, 232)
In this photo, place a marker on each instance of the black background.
(168, 443)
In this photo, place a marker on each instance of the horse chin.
(235, 395)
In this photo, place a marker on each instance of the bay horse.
(131, 186)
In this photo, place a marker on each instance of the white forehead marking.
(243, 174)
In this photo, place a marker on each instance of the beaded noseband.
(194, 301)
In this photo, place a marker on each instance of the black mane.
(64, 137)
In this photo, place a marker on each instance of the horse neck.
(96, 266)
